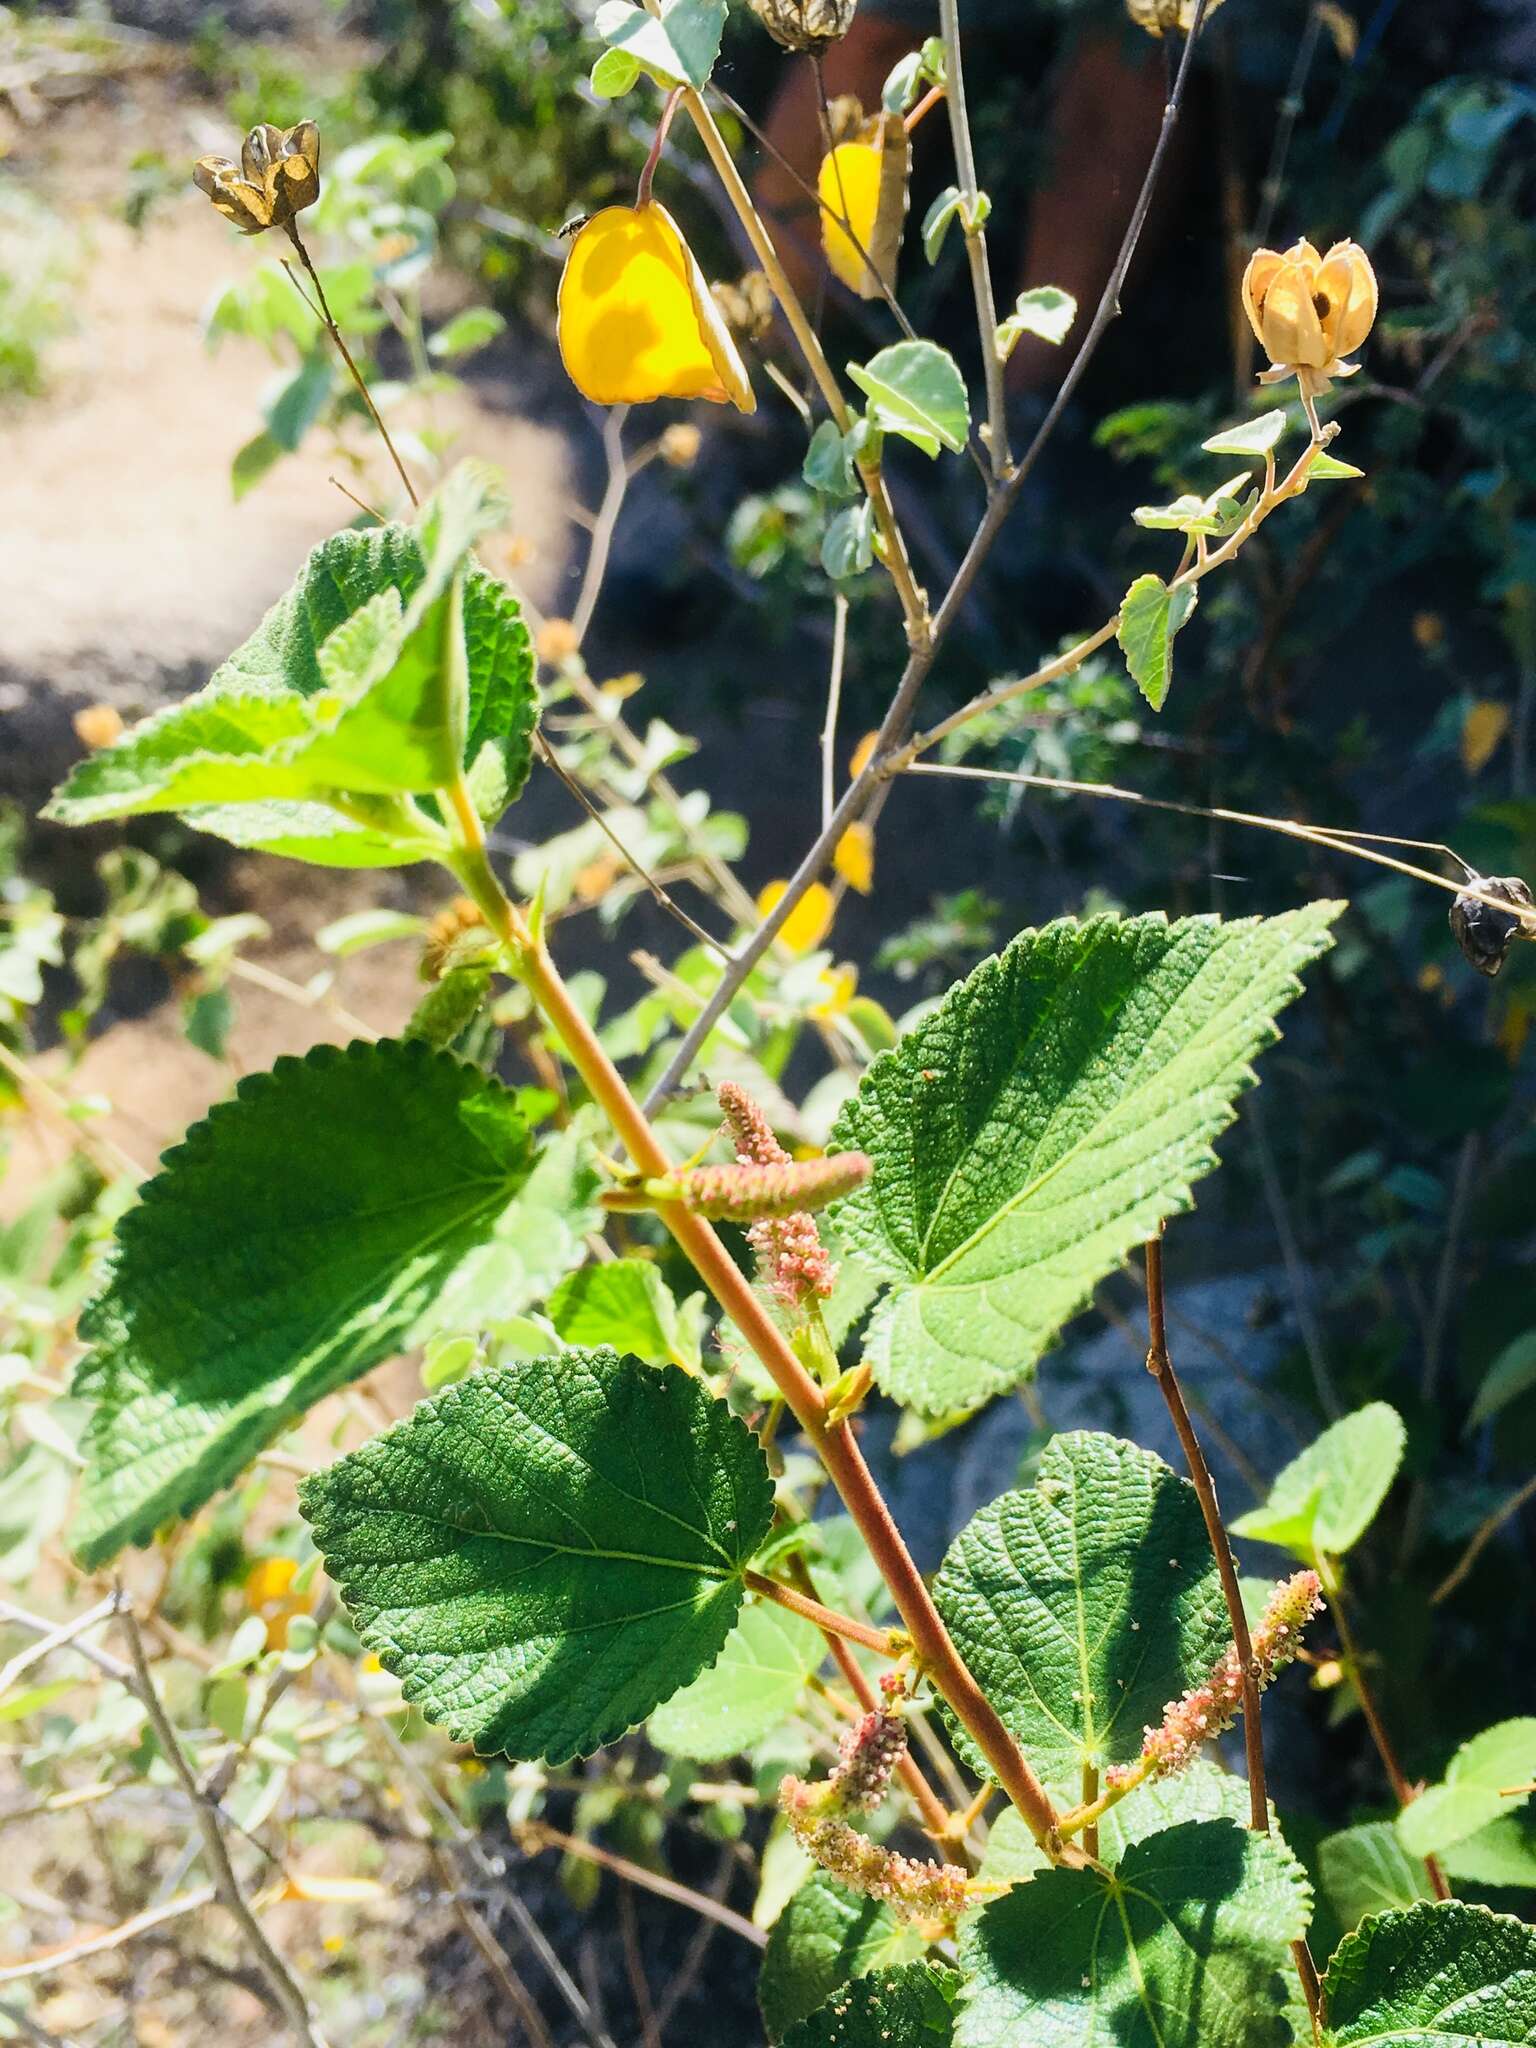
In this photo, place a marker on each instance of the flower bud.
(803, 25)
(1309, 311)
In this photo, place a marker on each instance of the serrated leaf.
(915, 389)
(1201, 1791)
(1323, 1502)
(547, 1551)
(1477, 1781)
(1253, 437)
(1183, 1946)
(1084, 1604)
(825, 1937)
(1045, 311)
(912, 2007)
(1041, 1123)
(534, 1242)
(1150, 616)
(272, 727)
(627, 1305)
(755, 1683)
(1434, 1974)
(295, 1238)
(1367, 1870)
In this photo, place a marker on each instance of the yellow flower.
(636, 318)
(556, 641)
(864, 181)
(278, 175)
(863, 754)
(810, 920)
(269, 1592)
(840, 986)
(1309, 311)
(854, 859)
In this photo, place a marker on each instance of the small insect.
(572, 227)
(1485, 933)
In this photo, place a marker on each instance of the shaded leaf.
(1201, 1791)
(912, 2007)
(755, 1683)
(1436, 1973)
(1479, 1787)
(1367, 1870)
(1324, 1501)
(823, 1938)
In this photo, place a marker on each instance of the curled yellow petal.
(1308, 311)
(854, 858)
(810, 920)
(636, 318)
(864, 182)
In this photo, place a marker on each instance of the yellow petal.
(1348, 284)
(839, 986)
(332, 1891)
(854, 859)
(636, 319)
(863, 754)
(810, 920)
(1481, 730)
(864, 182)
(1289, 327)
(270, 1579)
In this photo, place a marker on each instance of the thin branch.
(607, 519)
(328, 321)
(1482, 1536)
(827, 1619)
(1160, 1365)
(834, 702)
(66, 1632)
(538, 1834)
(495, 1957)
(975, 239)
(74, 1952)
(285, 1988)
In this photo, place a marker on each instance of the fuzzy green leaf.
(755, 1683)
(1086, 1603)
(1366, 1869)
(1201, 1791)
(848, 545)
(912, 2007)
(1182, 1946)
(626, 1304)
(915, 389)
(1503, 1853)
(296, 1237)
(1480, 1786)
(1041, 1123)
(1324, 1501)
(547, 1551)
(1150, 616)
(1432, 1975)
(825, 1937)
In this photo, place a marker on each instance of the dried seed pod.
(1485, 934)
(803, 25)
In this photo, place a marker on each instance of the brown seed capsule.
(805, 24)
(278, 175)
(1485, 934)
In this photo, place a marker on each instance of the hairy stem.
(827, 1619)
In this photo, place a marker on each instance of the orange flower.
(1309, 311)
(636, 318)
(278, 175)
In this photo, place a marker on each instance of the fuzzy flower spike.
(791, 1257)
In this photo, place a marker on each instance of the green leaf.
(912, 2007)
(679, 48)
(1085, 1604)
(1323, 1502)
(1431, 1975)
(449, 1007)
(316, 833)
(1253, 437)
(545, 1552)
(754, 1685)
(625, 1304)
(829, 462)
(950, 206)
(615, 73)
(1503, 1853)
(1477, 1777)
(1324, 467)
(466, 331)
(299, 401)
(848, 546)
(1045, 311)
(1182, 1946)
(295, 1238)
(1511, 1374)
(1150, 617)
(1041, 1123)
(1367, 1870)
(251, 463)
(1201, 1791)
(339, 687)
(824, 1937)
(915, 389)
(534, 1242)
(1193, 514)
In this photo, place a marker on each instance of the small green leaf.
(252, 462)
(679, 48)
(449, 1007)
(626, 1304)
(1150, 617)
(547, 1551)
(912, 2007)
(294, 1239)
(848, 546)
(1045, 311)
(1503, 1853)
(1201, 1791)
(755, 1683)
(1367, 1870)
(1085, 1604)
(1511, 1374)
(615, 73)
(1324, 467)
(1433, 1975)
(950, 206)
(1477, 1780)
(1182, 1946)
(1040, 1123)
(1253, 437)
(467, 331)
(829, 465)
(299, 401)
(824, 1937)
(915, 389)
(1323, 1502)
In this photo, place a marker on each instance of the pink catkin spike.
(791, 1258)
